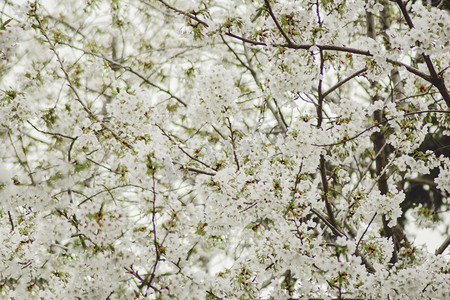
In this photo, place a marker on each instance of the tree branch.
(276, 23)
(444, 246)
(342, 82)
(323, 175)
(191, 16)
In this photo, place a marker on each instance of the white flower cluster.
(9, 38)
(217, 94)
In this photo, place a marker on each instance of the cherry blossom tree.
(212, 149)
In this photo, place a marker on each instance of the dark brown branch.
(325, 190)
(322, 157)
(332, 48)
(149, 279)
(277, 24)
(422, 181)
(337, 231)
(435, 81)
(439, 83)
(405, 13)
(366, 263)
(319, 89)
(379, 140)
(410, 69)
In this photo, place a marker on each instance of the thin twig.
(367, 228)
(148, 281)
(195, 170)
(11, 221)
(182, 150)
(339, 232)
(340, 83)
(51, 133)
(184, 13)
(233, 144)
(276, 112)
